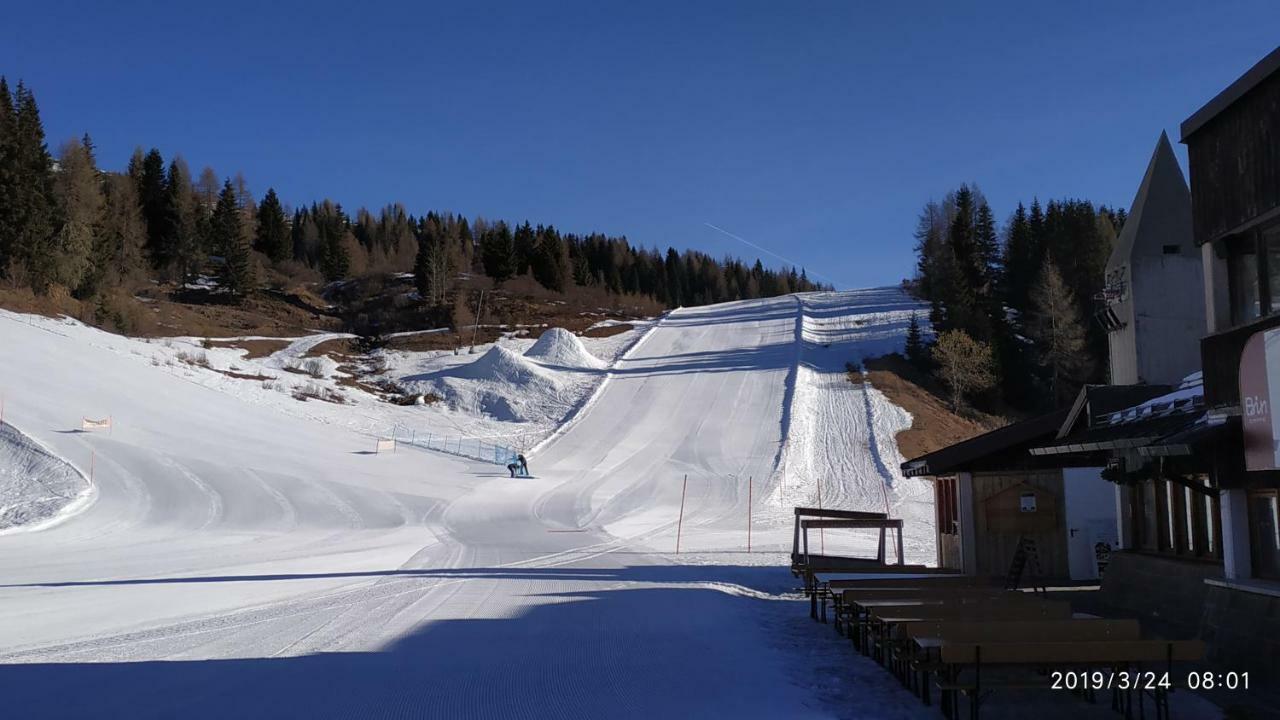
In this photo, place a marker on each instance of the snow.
(1188, 393)
(559, 347)
(247, 555)
(37, 489)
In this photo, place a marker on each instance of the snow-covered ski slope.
(241, 561)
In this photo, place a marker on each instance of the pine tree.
(9, 178)
(33, 207)
(525, 241)
(180, 249)
(497, 252)
(149, 175)
(273, 230)
(916, 352)
(236, 274)
(1022, 260)
(1058, 335)
(334, 241)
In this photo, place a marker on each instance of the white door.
(1091, 521)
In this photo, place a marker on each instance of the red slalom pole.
(749, 489)
(680, 522)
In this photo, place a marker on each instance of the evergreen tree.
(236, 274)
(525, 242)
(916, 352)
(180, 250)
(32, 206)
(497, 252)
(149, 175)
(334, 240)
(9, 177)
(1022, 260)
(273, 229)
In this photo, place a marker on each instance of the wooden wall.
(996, 549)
(1235, 163)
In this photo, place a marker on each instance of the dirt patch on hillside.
(156, 311)
(605, 331)
(254, 349)
(933, 424)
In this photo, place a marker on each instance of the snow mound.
(501, 364)
(504, 385)
(35, 486)
(558, 346)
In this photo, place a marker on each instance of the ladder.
(1026, 562)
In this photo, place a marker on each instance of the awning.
(1124, 436)
(1210, 432)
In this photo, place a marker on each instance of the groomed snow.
(249, 556)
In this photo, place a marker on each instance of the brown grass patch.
(607, 330)
(254, 349)
(933, 424)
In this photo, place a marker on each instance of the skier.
(524, 465)
(512, 467)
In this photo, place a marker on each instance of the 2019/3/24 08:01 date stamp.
(1145, 680)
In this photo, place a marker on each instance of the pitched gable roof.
(1161, 211)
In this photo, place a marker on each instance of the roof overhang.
(1256, 74)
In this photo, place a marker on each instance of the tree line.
(67, 224)
(1011, 308)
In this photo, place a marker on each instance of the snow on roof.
(1188, 396)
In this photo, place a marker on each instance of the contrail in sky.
(793, 263)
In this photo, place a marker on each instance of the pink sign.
(1259, 382)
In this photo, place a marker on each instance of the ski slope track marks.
(243, 558)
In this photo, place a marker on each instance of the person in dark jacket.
(524, 465)
(512, 468)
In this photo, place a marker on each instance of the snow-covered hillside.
(256, 544)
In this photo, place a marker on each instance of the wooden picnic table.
(1116, 655)
(915, 653)
(878, 624)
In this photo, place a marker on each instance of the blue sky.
(815, 129)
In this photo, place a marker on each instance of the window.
(1264, 533)
(1242, 279)
(1253, 274)
(1177, 517)
(947, 508)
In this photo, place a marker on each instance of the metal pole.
(680, 522)
(822, 533)
(479, 313)
(749, 514)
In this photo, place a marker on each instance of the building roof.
(1256, 74)
(1161, 210)
(1010, 441)
(1100, 400)
(1163, 413)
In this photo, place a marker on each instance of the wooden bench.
(843, 598)
(816, 589)
(875, 629)
(916, 650)
(1115, 655)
